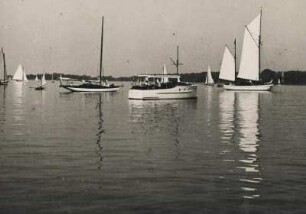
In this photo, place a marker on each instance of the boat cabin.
(145, 81)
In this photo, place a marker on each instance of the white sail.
(165, 79)
(36, 78)
(227, 70)
(209, 79)
(25, 79)
(43, 80)
(249, 64)
(18, 74)
(2, 63)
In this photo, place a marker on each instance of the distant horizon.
(70, 74)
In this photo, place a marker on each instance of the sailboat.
(3, 81)
(20, 74)
(248, 76)
(209, 80)
(101, 86)
(36, 78)
(43, 83)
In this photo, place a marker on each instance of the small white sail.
(227, 70)
(43, 80)
(36, 78)
(25, 79)
(18, 74)
(249, 64)
(165, 79)
(209, 80)
(2, 63)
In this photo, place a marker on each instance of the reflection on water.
(162, 119)
(161, 114)
(209, 106)
(18, 107)
(100, 131)
(239, 125)
(247, 124)
(227, 114)
(2, 107)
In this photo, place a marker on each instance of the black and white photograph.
(152, 106)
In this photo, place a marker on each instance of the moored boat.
(43, 84)
(5, 80)
(248, 77)
(209, 81)
(161, 86)
(20, 75)
(101, 85)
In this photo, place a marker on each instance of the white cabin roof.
(159, 75)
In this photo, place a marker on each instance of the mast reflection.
(2, 106)
(100, 131)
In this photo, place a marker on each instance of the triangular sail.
(36, 78)
(18, 74)
(227, 70)
(249, 64)
(209, 79)
(2, 62)
(25, 79)
(43, 80)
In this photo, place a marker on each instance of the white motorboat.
(161, 86)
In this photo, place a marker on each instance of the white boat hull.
(177, 92)
(75, 89)
(248, 87)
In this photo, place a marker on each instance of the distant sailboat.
(250, 61)
(43, 83)
(36, 78)
(209, 80)
(3, 81)
(101, 86)
(20, 75)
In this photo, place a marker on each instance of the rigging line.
(252, 36)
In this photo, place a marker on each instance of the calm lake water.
(226, 152)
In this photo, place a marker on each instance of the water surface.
(227, 152)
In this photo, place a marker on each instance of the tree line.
(267, 75)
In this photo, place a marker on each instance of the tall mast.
(101, 51)
(4, 65)
(235, 58)
(177, 59)
(177, 62)
(259, 43)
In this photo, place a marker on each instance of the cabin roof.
(159, 75)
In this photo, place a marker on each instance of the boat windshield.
(144, 80)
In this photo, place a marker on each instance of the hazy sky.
(141, 35)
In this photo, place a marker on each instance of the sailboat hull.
(38, 88)
(4, 82)
(248, 87)
(95, 88)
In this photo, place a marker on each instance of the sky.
(141, 35)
